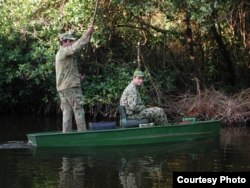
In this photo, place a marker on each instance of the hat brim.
(139, 76)
(68, 38)
(72, 38)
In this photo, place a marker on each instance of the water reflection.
(85, 171)
(144, 166)
(133, 173)
(235, 144)
(128, 176)
(72, 173)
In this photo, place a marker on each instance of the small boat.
(127, 136)
(129, 132)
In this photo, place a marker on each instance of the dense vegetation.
(184, 45)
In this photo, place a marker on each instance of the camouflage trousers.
(154, 114)
(72, 103)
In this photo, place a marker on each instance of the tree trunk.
(223, 50)
(189, 35)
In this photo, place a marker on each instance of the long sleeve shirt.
(67, 74)
(131, 100)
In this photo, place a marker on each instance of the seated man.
(135, 109)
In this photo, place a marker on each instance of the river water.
(129, 167)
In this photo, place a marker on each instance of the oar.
(87, 45)
(95, 12)
(93, 21)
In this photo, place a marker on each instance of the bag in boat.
(101, 125)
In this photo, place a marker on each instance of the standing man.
(68, 80)
(134, 106)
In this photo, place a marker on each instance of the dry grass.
(209, 104)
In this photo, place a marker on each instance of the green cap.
(66, 36)
(138, 73)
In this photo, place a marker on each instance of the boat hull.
(127, 136)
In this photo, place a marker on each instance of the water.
(144, 166)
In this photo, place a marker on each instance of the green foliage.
(178, 44)
(106, 88)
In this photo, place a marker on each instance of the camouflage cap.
(66, 36)
(138, 73)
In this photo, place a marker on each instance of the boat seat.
(127, 122)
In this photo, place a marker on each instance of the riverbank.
(207, 104)
(232, 110)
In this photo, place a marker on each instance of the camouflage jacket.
(67, 74)
(131, 100)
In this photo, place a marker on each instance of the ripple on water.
(15, 145)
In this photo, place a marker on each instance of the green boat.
(127, 136)
(128, 132)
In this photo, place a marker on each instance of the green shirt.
(67, 74)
